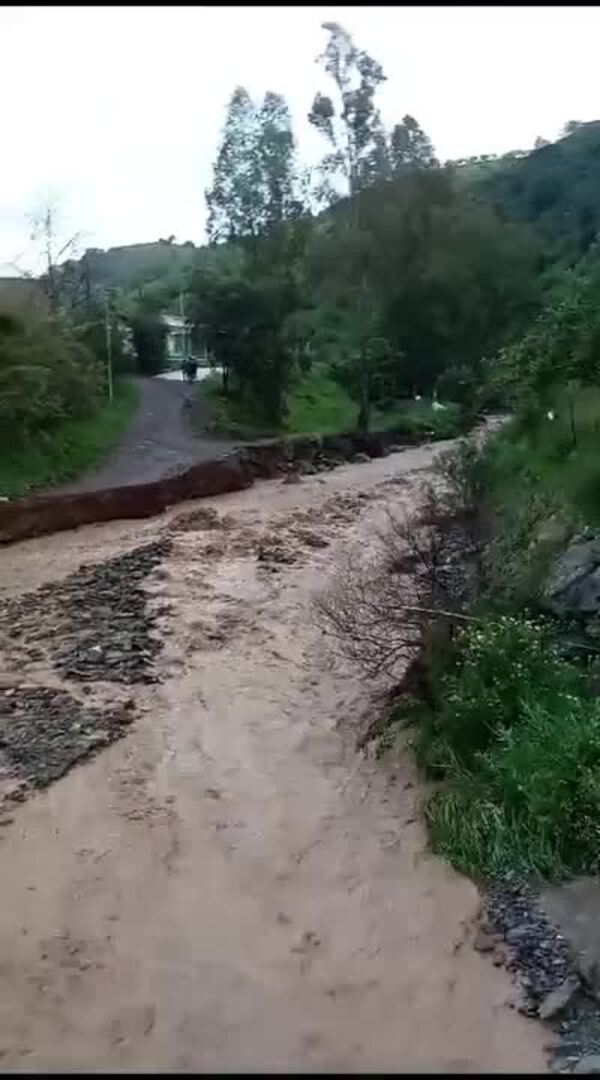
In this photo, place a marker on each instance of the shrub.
(502, 664)
(515, 738)
(46, 376)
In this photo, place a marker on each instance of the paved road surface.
(159, 442)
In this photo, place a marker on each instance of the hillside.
(132, 265)
(556, 188)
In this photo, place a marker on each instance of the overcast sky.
(116, 111)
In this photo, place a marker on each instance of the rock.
(588, 1064)
(305, 447)
(8, 682)
(517, 933)
(44, 732)
(360, 459)
(558, 999)
(573, 908)
(499, 957)
(485, 942)
(340, 447)
(573, 584)
(94, 624)
(292, 478)
(552, 533)
(534, 950)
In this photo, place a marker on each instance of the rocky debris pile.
(536, 953)
(204, 519)
(288, 539)
(44, 732)
(522, 938)
(93, 625)
(573, 585)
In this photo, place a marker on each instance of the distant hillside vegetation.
(556, 188)
(133, 265)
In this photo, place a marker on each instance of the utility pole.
(108, 351)
(187, 346)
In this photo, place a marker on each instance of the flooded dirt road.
(231, 886)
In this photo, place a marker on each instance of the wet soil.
(231, 885)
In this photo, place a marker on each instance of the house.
(180, 343)
(179, 340)
(21, 294)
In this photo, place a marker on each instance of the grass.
(67, 449)
(511, 731)
(318, 404)
(538, 486)
(542, 456)
(514, 737)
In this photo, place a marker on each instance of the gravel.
(539, 954)
(546, 969)
(93, 625)
(44, 732)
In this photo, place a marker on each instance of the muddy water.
(232, 886)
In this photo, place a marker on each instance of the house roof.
(21, 291)
(176, 322)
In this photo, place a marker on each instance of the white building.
(179, 340)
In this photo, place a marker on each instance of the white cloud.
(119, 109)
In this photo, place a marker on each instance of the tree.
(255, 185)
(234, 201)
(45, 230)
(149, 340)
(353, 127)
(276, 161)
(243, 311)
(46, 375)
(540, 142)
(58, 285)
(453, 280)
(571, 126)
(410, 147)
(562, 345)
(89, 324)
(370, 368)
(430, 271)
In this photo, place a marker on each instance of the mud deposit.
(230, 886)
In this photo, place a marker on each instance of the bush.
(562, 344)
(515, 737)
(68, 447)
(420, 418)
(502, 663)
(46, 376)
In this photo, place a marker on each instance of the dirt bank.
(230, 886)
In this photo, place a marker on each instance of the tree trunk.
(225, 380)
(572, 421)
(364, 409)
